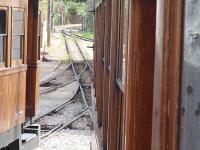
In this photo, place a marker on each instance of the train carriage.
(146, 62)
(19, 55)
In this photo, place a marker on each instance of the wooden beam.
(166, 105)
(140, 75)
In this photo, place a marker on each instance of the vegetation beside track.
(88, 35)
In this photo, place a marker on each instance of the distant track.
(76, 78)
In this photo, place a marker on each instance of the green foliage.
(73, 8)
(45, 7)
(88, 35)
(76, 1)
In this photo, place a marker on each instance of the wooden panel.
(14, 3)
(106, 89)
(32, 101)
(100, 62)
(157, 76)
(13, 78)
(12, 99)
(113, 105)
(140, 75)
(166, 104)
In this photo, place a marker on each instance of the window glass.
(18, 22)
(16, 49)
(18, 34)
(2, 21)
(3, 35)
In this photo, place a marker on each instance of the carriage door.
(189, 130)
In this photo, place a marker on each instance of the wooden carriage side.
(13, 70)
(33, 57)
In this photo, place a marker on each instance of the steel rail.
(55, 76)
(78, 46)
(75, 74)
(89, 65)
(63, 126)
(57, 109)
(83, 38)
(79, 115)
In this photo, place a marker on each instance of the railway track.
(49, 130)
(54, 76)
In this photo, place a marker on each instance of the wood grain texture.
(99, 62)
(140, 75)
(113, 104)
(14, 3)
(13, 77)
(165, 117)
(32, 93)
(12, 99)
(106, 89)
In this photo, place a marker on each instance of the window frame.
(5, 39)
(39, 33)
(22, 39)
(120, 56)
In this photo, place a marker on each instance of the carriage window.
(124, 42)
(18, 35)
(3, 35)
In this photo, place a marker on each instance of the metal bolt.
(182, 111)
(189, 89)
(197, 112)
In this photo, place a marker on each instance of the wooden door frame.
(166, 104)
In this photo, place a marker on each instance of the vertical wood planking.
(32, 94)
(165, 121)
(13, 78)
(106, 89)
(12, 97)
(113, 104)
(140, 75)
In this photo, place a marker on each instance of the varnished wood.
(107, 56)
(9, 39)
(32, 93)
(14, 3)
(113, 104)
(12, 99)
(140, 75)
(13, 77)
(166, 126)
(99, 63)
(106, 89)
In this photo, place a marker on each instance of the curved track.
(76, 78)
